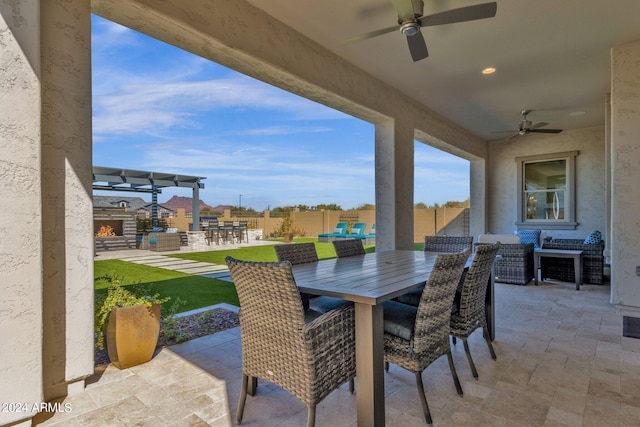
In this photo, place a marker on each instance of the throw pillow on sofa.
(594, 238)
(530, 236)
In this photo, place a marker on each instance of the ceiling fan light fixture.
(489, 70)
(410, 28)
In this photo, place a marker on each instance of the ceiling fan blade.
(469, 13)
(538, 125)
(503, 131)
(404, 9)
(545, 130)
(370, 35)
(417, 46)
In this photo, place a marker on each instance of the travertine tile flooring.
(562, 361)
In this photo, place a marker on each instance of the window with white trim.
(546, 191)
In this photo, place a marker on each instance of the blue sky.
(158, 108)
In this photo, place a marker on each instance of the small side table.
(559, 253)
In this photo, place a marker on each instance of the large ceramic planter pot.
(132, 334)
(288, 237)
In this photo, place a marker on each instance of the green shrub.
(119, 296)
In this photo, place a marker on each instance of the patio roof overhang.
(118, 179)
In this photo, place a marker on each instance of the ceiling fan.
(526, 126)
(410, 20)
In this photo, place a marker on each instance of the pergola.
(116, 179)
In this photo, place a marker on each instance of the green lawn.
(259, 253)
(197, 291)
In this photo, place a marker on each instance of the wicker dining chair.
(297, 253)
(440, 244)
(447, 244)
(414, 337)
(305, 353)
(468, 311)
(348, 247)
(344, 248)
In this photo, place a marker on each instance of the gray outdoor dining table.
(368, 280)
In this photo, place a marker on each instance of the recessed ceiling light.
(489, 70)
(577, 113)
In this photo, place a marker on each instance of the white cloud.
(280, 130)
(167, 104)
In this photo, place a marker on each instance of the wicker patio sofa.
(515, 262)
(562, 268)
(159, 242)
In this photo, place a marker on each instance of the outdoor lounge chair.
(357, 231)
(339, 231)
(370, 239)
(305, 353)
(415, 337)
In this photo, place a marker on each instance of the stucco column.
(67, 209)
(625, 194)
(20, 209)
(477, 197)
(394, 185)
(195, 209)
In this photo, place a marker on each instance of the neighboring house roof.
(149, 206)
(186, 203)
(133, 203)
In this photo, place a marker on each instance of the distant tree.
(420, 205)
(242, 209)
(455, 204)
(303, 208)
(281, 209)
(329, 207)
(366, 207)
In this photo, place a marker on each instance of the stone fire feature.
(122, 223)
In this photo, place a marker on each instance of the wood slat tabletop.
(370, 279)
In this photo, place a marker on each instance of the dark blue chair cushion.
(411, 298)
(399, 319)
(324, 304)
(310, 316)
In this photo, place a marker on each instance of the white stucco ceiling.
(551, 56)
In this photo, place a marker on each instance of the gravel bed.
(187, 328)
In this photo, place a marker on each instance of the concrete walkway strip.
(203, 269)
(168, 262)
(186, 266)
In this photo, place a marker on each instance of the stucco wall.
(20, 225)
(590, 178)
(67, 238)
(625, 194)
(46, 309)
